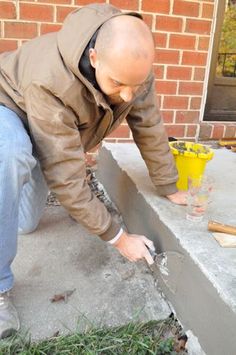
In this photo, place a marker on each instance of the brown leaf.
(56, 334)
(180, 343)
(62, 296)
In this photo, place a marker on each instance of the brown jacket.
(66, 116)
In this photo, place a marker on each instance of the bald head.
(124, 36)
(122, 57)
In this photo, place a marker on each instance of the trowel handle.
(152, 252)
(219, 227)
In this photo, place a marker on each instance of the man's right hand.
(134, 247)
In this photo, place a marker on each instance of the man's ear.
(93, 57)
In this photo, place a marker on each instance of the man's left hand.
(179, 197)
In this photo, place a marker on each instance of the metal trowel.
(168, 266)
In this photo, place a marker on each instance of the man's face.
(119, 80)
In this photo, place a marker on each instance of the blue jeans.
(23, 190)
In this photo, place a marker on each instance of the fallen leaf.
(62, 296)
(56, 334)
(180, 343)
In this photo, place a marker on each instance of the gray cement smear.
(62, 256)
(206, 297)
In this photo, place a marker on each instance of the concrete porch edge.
(205, 300)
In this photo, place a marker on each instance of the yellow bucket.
(190, 159)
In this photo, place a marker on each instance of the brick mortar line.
(178, 65)
(54, 14)
(181, 53)
(197, 42)
(50, 4)
(183, 49)
(171, 6)
(189, 105)
(224, 130)
(207, 19)
(38, 29)
(177, 87)
(197, 132)
(180, 80)
(219, 123)
(17, 38)
(180, 110)
(17, 5)
(181, 124)
(184, 23)
(165, 71)
(168, 40)
(185, 130)
(201, 9)
(140, 3)
(20, 42)
(154, 23)
(183, 33)
(42, 3)
(193, 73)
(212, 129)
(29, 21)
(173, 64)
(197, 1)
(182, 95)
(161, 101)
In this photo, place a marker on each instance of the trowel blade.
(168, 266)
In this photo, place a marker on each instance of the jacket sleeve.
(150, 136)
(56, 138)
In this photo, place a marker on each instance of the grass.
(131, 339)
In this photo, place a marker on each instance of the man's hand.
(179, 197)
(134, 247)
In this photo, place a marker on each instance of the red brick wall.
(182, 31)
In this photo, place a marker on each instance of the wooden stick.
(214, 226)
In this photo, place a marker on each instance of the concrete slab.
(205, 299)
(62, 256)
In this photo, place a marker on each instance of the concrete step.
(205, 296)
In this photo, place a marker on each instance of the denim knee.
(16, 154)
(14, 145)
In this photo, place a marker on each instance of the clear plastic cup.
(198, 198)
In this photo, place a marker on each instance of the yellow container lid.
(191, 150)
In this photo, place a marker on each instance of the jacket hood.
(79, 27)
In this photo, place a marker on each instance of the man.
(60, 95)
